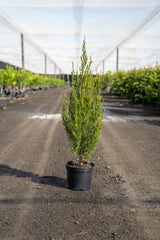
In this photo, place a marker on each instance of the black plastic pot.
(79, 178)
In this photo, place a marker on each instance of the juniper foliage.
(82, 115)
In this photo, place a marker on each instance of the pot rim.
(69, 165)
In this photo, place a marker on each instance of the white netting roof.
(56, 28)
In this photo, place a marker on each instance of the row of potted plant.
(14, 81)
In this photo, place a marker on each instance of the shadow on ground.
(5, 170)
(123, 107)
(77, 198)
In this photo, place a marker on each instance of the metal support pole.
(45, 65)
(117, 59)
(55, 70)
(22, 49)
(103, 67)
(59, 73)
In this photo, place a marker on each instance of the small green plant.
(1, 80)
(106, 80)
(82, 115)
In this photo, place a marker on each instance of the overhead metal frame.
(23, 34)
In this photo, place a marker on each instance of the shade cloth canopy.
(56, 29)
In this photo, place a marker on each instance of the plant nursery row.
(17, 82)
(140, 85)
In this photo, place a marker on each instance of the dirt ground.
(124, 199)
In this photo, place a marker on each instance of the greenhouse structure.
(45, 37)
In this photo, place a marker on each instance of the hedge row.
(141, 85)
(12, 80)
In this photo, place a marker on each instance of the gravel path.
(124, 199)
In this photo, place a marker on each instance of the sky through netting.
(56, 28)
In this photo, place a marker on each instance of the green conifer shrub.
(82, 115)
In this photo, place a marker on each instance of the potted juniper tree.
(82, 118)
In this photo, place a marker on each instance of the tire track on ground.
(25, 208)
(23, 128)
(47, 130)
(8, 149)
(127, 160)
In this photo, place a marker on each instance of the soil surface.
(124, 199)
